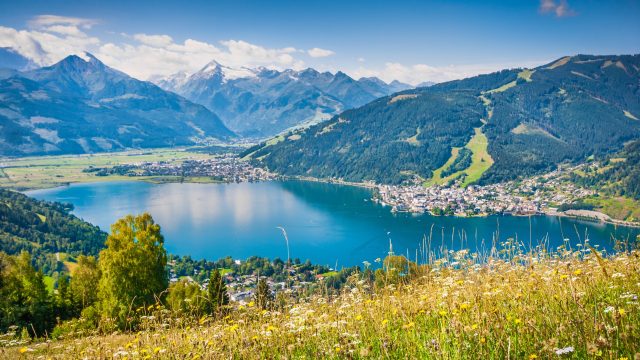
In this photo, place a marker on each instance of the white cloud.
(417, 73)
(560, 8)
(45, 47)
(319, 53)
(49, 20)
(154, 40)
(51, 38)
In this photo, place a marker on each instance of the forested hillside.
(44, 229)
(515, 122)
(618, 175)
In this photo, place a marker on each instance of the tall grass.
(569, 303)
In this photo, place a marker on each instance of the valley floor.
(29, 173)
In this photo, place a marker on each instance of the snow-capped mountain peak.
(225, 73)
(264, 101)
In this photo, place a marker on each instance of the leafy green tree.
(24, 299)
(186, 297)
(63, 301)
(84, 283)
(217, 292)
(132, 267)
(263, 297)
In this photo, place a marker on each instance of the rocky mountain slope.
(261, 102)
(80, 105)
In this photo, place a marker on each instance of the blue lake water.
(326, 223)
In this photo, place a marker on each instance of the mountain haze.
(260, 102)
(80, 105)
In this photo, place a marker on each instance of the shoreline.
(366, 185)
(553, 213)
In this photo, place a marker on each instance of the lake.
(326, 223)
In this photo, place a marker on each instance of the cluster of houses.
(224, 168)
(541, 194)
(242, 288)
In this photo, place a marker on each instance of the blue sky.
(408, 40)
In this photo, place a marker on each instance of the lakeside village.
(535, 195)
(549, 194)
(222, 168)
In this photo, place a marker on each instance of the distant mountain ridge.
(515, 122)
(80, 105)
(261, 102)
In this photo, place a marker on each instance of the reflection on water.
(326, 223)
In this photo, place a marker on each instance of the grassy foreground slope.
(571, 305)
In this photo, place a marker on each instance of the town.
(535, 195)
(221, 168)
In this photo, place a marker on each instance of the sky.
(409, 41)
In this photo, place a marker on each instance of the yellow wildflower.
(359, 317)
(533, 356)
(621, 311)
(384, 322)
(409, 325)
(577, 272)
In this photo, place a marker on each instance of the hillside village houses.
(530, 196)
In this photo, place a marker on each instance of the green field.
(437, 179)
(620, 208)
(51, 171)
(414, 139)
(481, 161)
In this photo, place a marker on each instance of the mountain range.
(261, 102)
(80, 105)
(483, 129)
